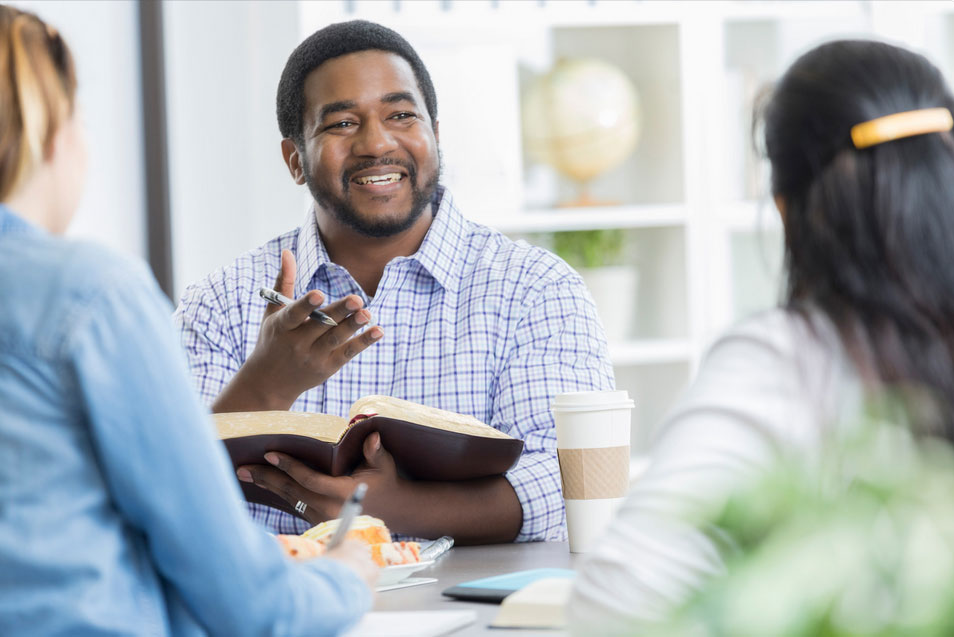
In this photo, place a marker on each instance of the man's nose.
(374, 140)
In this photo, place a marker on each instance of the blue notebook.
(494, 589)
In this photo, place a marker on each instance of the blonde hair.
(37, 93)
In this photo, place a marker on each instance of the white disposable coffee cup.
(593, 438)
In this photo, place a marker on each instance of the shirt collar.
(12, 223)
(310, 253)
(443, 244)
(438, 253)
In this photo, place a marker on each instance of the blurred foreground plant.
(861, 543)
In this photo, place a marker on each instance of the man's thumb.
(374, 453)
(285, 283)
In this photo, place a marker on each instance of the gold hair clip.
(899, 125)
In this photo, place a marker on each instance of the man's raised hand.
(295, 352)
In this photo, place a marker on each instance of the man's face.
(369, 151)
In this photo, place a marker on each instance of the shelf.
(567, 219)
(650, 352)
(773, 10)
(509, 15)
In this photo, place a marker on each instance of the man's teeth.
(389, 178)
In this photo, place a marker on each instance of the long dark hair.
(869, 234)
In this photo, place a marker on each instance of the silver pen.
(349, 511)
(275, 298)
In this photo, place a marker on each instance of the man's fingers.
(356, 345)
(319, 507)
(293, 315)
(343, 308)
(314, 481)
(274, 480)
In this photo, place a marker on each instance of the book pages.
(541, 604)
(323, 427)
(422, 414)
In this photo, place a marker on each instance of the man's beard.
(345, 213)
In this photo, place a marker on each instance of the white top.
(772, 385)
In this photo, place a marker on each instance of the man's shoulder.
(490, 252)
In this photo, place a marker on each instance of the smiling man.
(463, 318)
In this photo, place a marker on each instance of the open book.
(427, 443)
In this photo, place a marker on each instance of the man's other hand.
(389, 496)
(479, 511)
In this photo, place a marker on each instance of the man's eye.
(339, 125)
(404, 115)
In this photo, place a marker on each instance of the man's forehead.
(360, 77)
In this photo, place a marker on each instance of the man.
(469, 321)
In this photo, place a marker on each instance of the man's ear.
(293, 160)
(437, 131)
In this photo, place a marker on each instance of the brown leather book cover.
(421, 452)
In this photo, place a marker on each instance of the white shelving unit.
(650, 351)
(563, 220)
(692, 197)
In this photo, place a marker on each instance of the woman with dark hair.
(859, 138)
(119, 511)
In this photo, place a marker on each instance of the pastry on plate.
(376, 535)
(364, 528)
(300, 548)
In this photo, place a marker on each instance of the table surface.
(465, 563)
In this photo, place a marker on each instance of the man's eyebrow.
(335, 107)
(399, 96)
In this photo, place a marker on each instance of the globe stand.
(585, 200)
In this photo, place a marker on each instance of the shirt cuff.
(536, 480)
(354, 598)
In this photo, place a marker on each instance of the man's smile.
(379, 180)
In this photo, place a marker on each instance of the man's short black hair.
(334, 41)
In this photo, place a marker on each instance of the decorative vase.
(614, 289)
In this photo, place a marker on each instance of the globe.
(582, 118)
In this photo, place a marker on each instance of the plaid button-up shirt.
(473, 323)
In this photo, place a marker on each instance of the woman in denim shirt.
(119, 512)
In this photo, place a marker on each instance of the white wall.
(230, 189)
(104, 38)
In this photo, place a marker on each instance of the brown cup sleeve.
(591, 474)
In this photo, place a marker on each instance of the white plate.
(394, 574)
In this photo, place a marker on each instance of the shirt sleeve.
(210, 349)
(746, 404)
(558, 347)
(173, 483)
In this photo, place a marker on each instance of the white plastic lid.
(592, 401)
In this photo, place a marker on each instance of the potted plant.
(598, 255)
(859, 543)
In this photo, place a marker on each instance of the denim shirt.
(119, 511)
